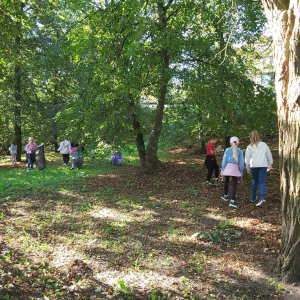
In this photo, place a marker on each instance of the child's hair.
(30, 139)
(13, 142)
(213, 137)
(234, 151)
(65, 138)
(254, 138)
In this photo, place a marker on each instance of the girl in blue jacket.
(232, 166)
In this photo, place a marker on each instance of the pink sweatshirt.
(29, 147)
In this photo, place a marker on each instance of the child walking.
(210, 161)
(65, 150)
(29, 148)
(13, 151)
(258, 160)
(232, 166)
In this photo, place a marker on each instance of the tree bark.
(55, 111)
(284, 17)
(139, 137)
(18, 94)
(152, 147)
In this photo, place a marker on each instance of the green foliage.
(220, 236)
(88, 70)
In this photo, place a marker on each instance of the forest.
(152, 79)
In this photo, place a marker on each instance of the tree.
(284, 16)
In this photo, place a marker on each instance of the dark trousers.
(66, 158)
(234, 186)
(212, 165)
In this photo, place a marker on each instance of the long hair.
(234, 151)
(254, 138)
(13, 142)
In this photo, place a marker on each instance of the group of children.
(258, 160)
(66, 149)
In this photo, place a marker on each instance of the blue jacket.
(228, 158)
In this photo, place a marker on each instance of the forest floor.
(107, 232)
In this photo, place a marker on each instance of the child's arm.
(224, 161)
(241, 161)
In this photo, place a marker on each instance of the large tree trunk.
(18, 95)
(284, 17)
(152, 147)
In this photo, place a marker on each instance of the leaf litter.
(126, 235)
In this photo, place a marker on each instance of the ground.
(106, 232)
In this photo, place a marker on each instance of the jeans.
(30, 163)
(234, 186)
(259, 178)
(115, 161)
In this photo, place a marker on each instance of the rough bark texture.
(152, 147)
(284, 17)
(139, 139)
(55, 111)
(18, 95)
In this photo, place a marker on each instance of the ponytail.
(234, 151)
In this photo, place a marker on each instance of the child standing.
(13, 151)
(29, 148)
(210, 161)
(232, 166)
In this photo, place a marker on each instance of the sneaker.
(31, 170)
(27, 170)
(209, 182)
(256, 199)
(260, 202)
(224, 197)
(233, 204)
(65, 164)
(217, 179)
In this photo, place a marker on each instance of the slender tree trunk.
(152, 147)
(55, 111)
(18, 94)
(139, 137)
(222, 72)
(284, 17)
(226, 141)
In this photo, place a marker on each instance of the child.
(65, 150)
(232, 165)
(29, 148)
(258, 160)
(77, 158)
(116, 158)
(210, 161)
(13, 151)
